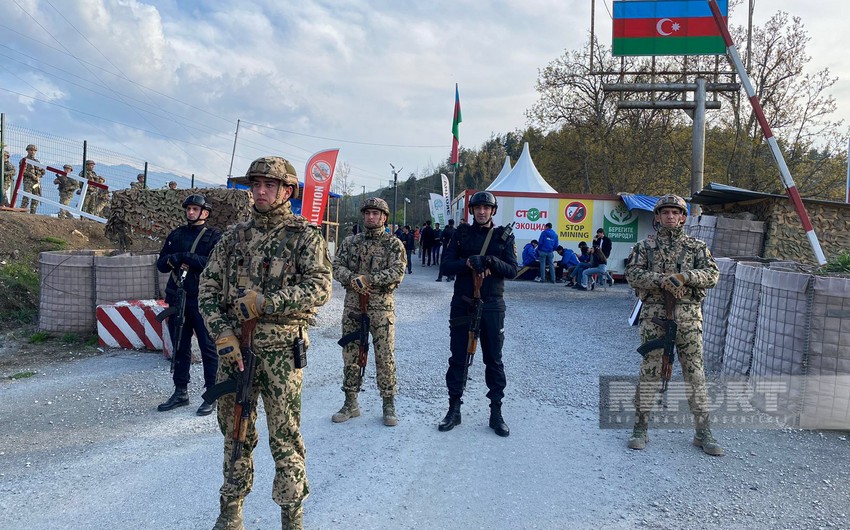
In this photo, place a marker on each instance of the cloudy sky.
(166, 81)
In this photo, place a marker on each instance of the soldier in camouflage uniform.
(92, 200)
(32, 179)
(140, 182)
(9, 173)
(274, 268)
(370, 263)
(67, 186)
(682, 265)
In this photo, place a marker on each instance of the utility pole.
(395, 190)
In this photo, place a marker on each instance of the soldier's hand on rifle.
(250, 306)
(476, 263)
(675, 284)
(361, 284)
(228, 349)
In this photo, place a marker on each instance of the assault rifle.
(242, 385)
(474, 324)
(666, 341)
(179, 312)
(361, 336)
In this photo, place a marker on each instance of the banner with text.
(576, 220)
(446, 195)
(621, 224)
(438, 209)
(531, 216)
(317, 184)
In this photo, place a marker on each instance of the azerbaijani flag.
(455, 129)
(667, 27)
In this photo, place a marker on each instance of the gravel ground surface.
(84, 448)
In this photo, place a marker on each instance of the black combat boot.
(206, 408)
(452, 416)
(180, 398)
(496, 421)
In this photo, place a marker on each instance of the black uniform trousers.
(193, 323)
(492, 339)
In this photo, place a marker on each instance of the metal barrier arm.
(84, 181)
(787, 180)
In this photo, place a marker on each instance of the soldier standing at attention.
(187, 249)
(487, 251)
(674, 262)
(8, 176)
(66, 186)
(32, 179)
(140, 182)
(370, 263)
(91, 202)
(274, 268)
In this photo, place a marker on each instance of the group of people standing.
(96, 200)
(274, 272)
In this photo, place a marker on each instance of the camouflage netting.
(155, 213)
(784, 237)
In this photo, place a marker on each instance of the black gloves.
(478, 263)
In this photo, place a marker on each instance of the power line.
(347, 141)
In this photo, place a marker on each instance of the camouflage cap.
(67, 166)
(89, 162)
(376, 203)
(273, 167)
(670, 200)
(140, 176)
(32, 147)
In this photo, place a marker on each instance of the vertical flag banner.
(438, 209)
(317, 184)
(667, 27)
(455, 128)
(446, 195)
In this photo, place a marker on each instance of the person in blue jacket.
(529, 253)
(548, 241)
(568, 261)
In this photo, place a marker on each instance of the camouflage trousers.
(279, 383)
(688, 354)
(65, 198)
(31, 186)
(383, 339)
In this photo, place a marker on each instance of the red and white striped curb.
(132, 324)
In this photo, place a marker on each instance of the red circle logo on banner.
(575, 212)
(320, 171)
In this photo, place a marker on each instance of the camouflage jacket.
(9, 171)
(278, 254)
(33, 172)
(671, 251)
(376, 254)
(91, 176)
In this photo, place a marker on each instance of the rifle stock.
(666, 341)
(361, 337)
(474, 332)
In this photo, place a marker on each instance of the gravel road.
(83, 446)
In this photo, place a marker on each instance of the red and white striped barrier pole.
(790, 187)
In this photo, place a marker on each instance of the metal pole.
(404, 215)
(192, 182)
(698, 146)
(787, 180)
(145, 180)
(233, 154)
(395, 194)
(3, 144)
(592, 33)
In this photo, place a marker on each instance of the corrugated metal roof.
(716, 193)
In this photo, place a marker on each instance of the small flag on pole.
(455, 128)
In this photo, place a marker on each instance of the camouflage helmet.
(32, 147)
(670, 200)
(89, 162)
(273, 167)
(197, 200)
(376, 203)
(483, 198)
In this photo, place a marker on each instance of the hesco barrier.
(728, 237)
(716, 315)
(155, 213)
(74, 283)
(66, 303)
(125, 277)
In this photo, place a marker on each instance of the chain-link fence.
(119, 170)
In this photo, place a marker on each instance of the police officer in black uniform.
(187, 249)
(463, 258)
